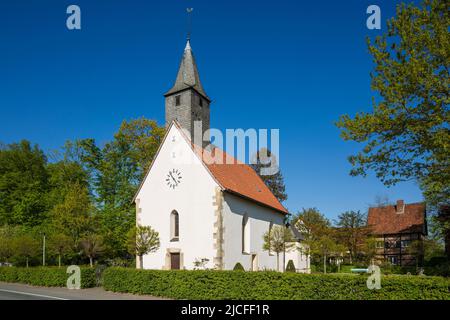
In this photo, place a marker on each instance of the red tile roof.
(386, 220)
(238, 178)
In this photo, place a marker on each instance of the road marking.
(33, 294)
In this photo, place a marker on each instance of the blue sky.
(293, 65)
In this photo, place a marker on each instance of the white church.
(205, 210)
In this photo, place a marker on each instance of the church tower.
(187, 101)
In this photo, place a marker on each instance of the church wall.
(193, 199)
(300, 259)
(259, 219)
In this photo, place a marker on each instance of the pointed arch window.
(174, 226)
(245, 234)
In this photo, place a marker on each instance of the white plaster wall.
(301, 259)
(192, 199)
(234, 209)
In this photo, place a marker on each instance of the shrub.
(290, 266)
(200, 284)
(46, 276)
(238, 267)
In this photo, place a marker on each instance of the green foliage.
(352, 231)
(290, 266)
(7, 236)
(238, 267)
(92, 246)
(45, 276)
(142, 240)
(26, 246)
(311, 223)
(407, 135)
(210, 285)
(23, 184)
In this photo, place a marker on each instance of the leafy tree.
(7, 235)
(424, 250)
(311, 223)
(26, 246)
(407, 134)
(370, 249)
(60, 244)
(23, 184)
(74, 216)
(324, 247)
(275, 182)
(116, 171)
(141, 241)
(92, 246)
(279, 239)
(352, 231)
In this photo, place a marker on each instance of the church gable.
(176, 169)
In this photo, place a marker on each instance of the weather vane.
(189, 16)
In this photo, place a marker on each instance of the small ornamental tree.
(60, 244)
(279, 239)
(26, 246)
(142, 240)
(92, 246)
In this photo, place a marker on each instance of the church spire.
(188, 76)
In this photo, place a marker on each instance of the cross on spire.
(189, 22)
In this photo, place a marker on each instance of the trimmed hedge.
(210, 285)
(46, 276)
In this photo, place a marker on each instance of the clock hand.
(174, 180)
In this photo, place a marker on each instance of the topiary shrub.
(290, 266)
(238, 267)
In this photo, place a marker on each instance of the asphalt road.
(14, 291)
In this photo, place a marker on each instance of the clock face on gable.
(173, 178)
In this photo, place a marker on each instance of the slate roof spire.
(188, 76)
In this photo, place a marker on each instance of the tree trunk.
(141, 262)
(91, 261)
(278, 261)
(324, 263)
(27, 262)
(59, 260)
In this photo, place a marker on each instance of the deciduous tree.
(407, 136)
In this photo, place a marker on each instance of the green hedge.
(199, 284)
(46, 276)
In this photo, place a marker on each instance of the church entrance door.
(175, 261)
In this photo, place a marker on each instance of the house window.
(201, 102)
(174, 226)
(245, 235)
(406, 243)
(177, 100)
(393, 260)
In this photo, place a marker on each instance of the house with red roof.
(395, 228)
(208, 208)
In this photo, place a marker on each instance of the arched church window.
(174, 226)
(245, 234)
(177, 100)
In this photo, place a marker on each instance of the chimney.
(400, 207)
